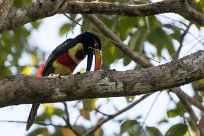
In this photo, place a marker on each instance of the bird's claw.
(55, 75)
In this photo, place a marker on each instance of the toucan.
(64, 59)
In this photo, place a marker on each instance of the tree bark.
(24, 89)
(46, 8)
(5, 6)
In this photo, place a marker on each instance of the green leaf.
(163, 121)
(59, 112)
(158, 37)
(133, 128)
(172, 113)
(64, 29)
(177, 130)
(129, 98)
(89, 104)
(35, 24)
(153, 131)
(37, 131)
(137, 39)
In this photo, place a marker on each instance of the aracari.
(64, 59)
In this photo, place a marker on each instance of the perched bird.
(65, 58)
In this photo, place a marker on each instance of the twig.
(185, 32)
(66, 113)
(39, 123)
(189, 99)
(67, 120)
(104, 114)
(118, 42)
(187, 106)
(148, 113)
(180, 111)
(72, 19)
(93, 129)
(76, 120)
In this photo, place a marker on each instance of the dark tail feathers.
(31, 118)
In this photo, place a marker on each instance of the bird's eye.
(95, 44)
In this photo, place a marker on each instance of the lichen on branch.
(16, 90)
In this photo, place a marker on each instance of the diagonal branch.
(201, 125)
(181, 40)
(192, 101)
(103, 121)
(24, 89)
(46, 8)
(118, 42)
(186, 105)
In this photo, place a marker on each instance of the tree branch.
(46, 8)
(181, 40)
(67, 120)
(118, 42)
(24, 89)
(5, 6)
(187, 106)
(104, 120)
(192, 101)
(201, 125)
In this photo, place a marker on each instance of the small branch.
(39, 123)
(103, 121)
(67, 120)
(5, 6)
(189, 99)
(66, 113)
(25, 89)
(118, 42)
(187, 106)
(104, 114)
(190, 110)
(182, 35)
(201, 125)
(180, 111)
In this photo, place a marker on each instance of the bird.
(64, 59)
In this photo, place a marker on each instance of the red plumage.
(67, 61)
(40, 70)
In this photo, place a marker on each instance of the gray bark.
(24, 89)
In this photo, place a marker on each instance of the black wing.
(66, 45)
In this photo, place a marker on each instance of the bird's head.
(92, 45)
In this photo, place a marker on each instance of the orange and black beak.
(97, 54)
(97, 59)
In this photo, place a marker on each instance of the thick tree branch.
(23, 89)
(46, 8)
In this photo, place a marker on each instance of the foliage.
(155, 37)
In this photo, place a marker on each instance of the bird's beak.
(89, 59)
(97, 59)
